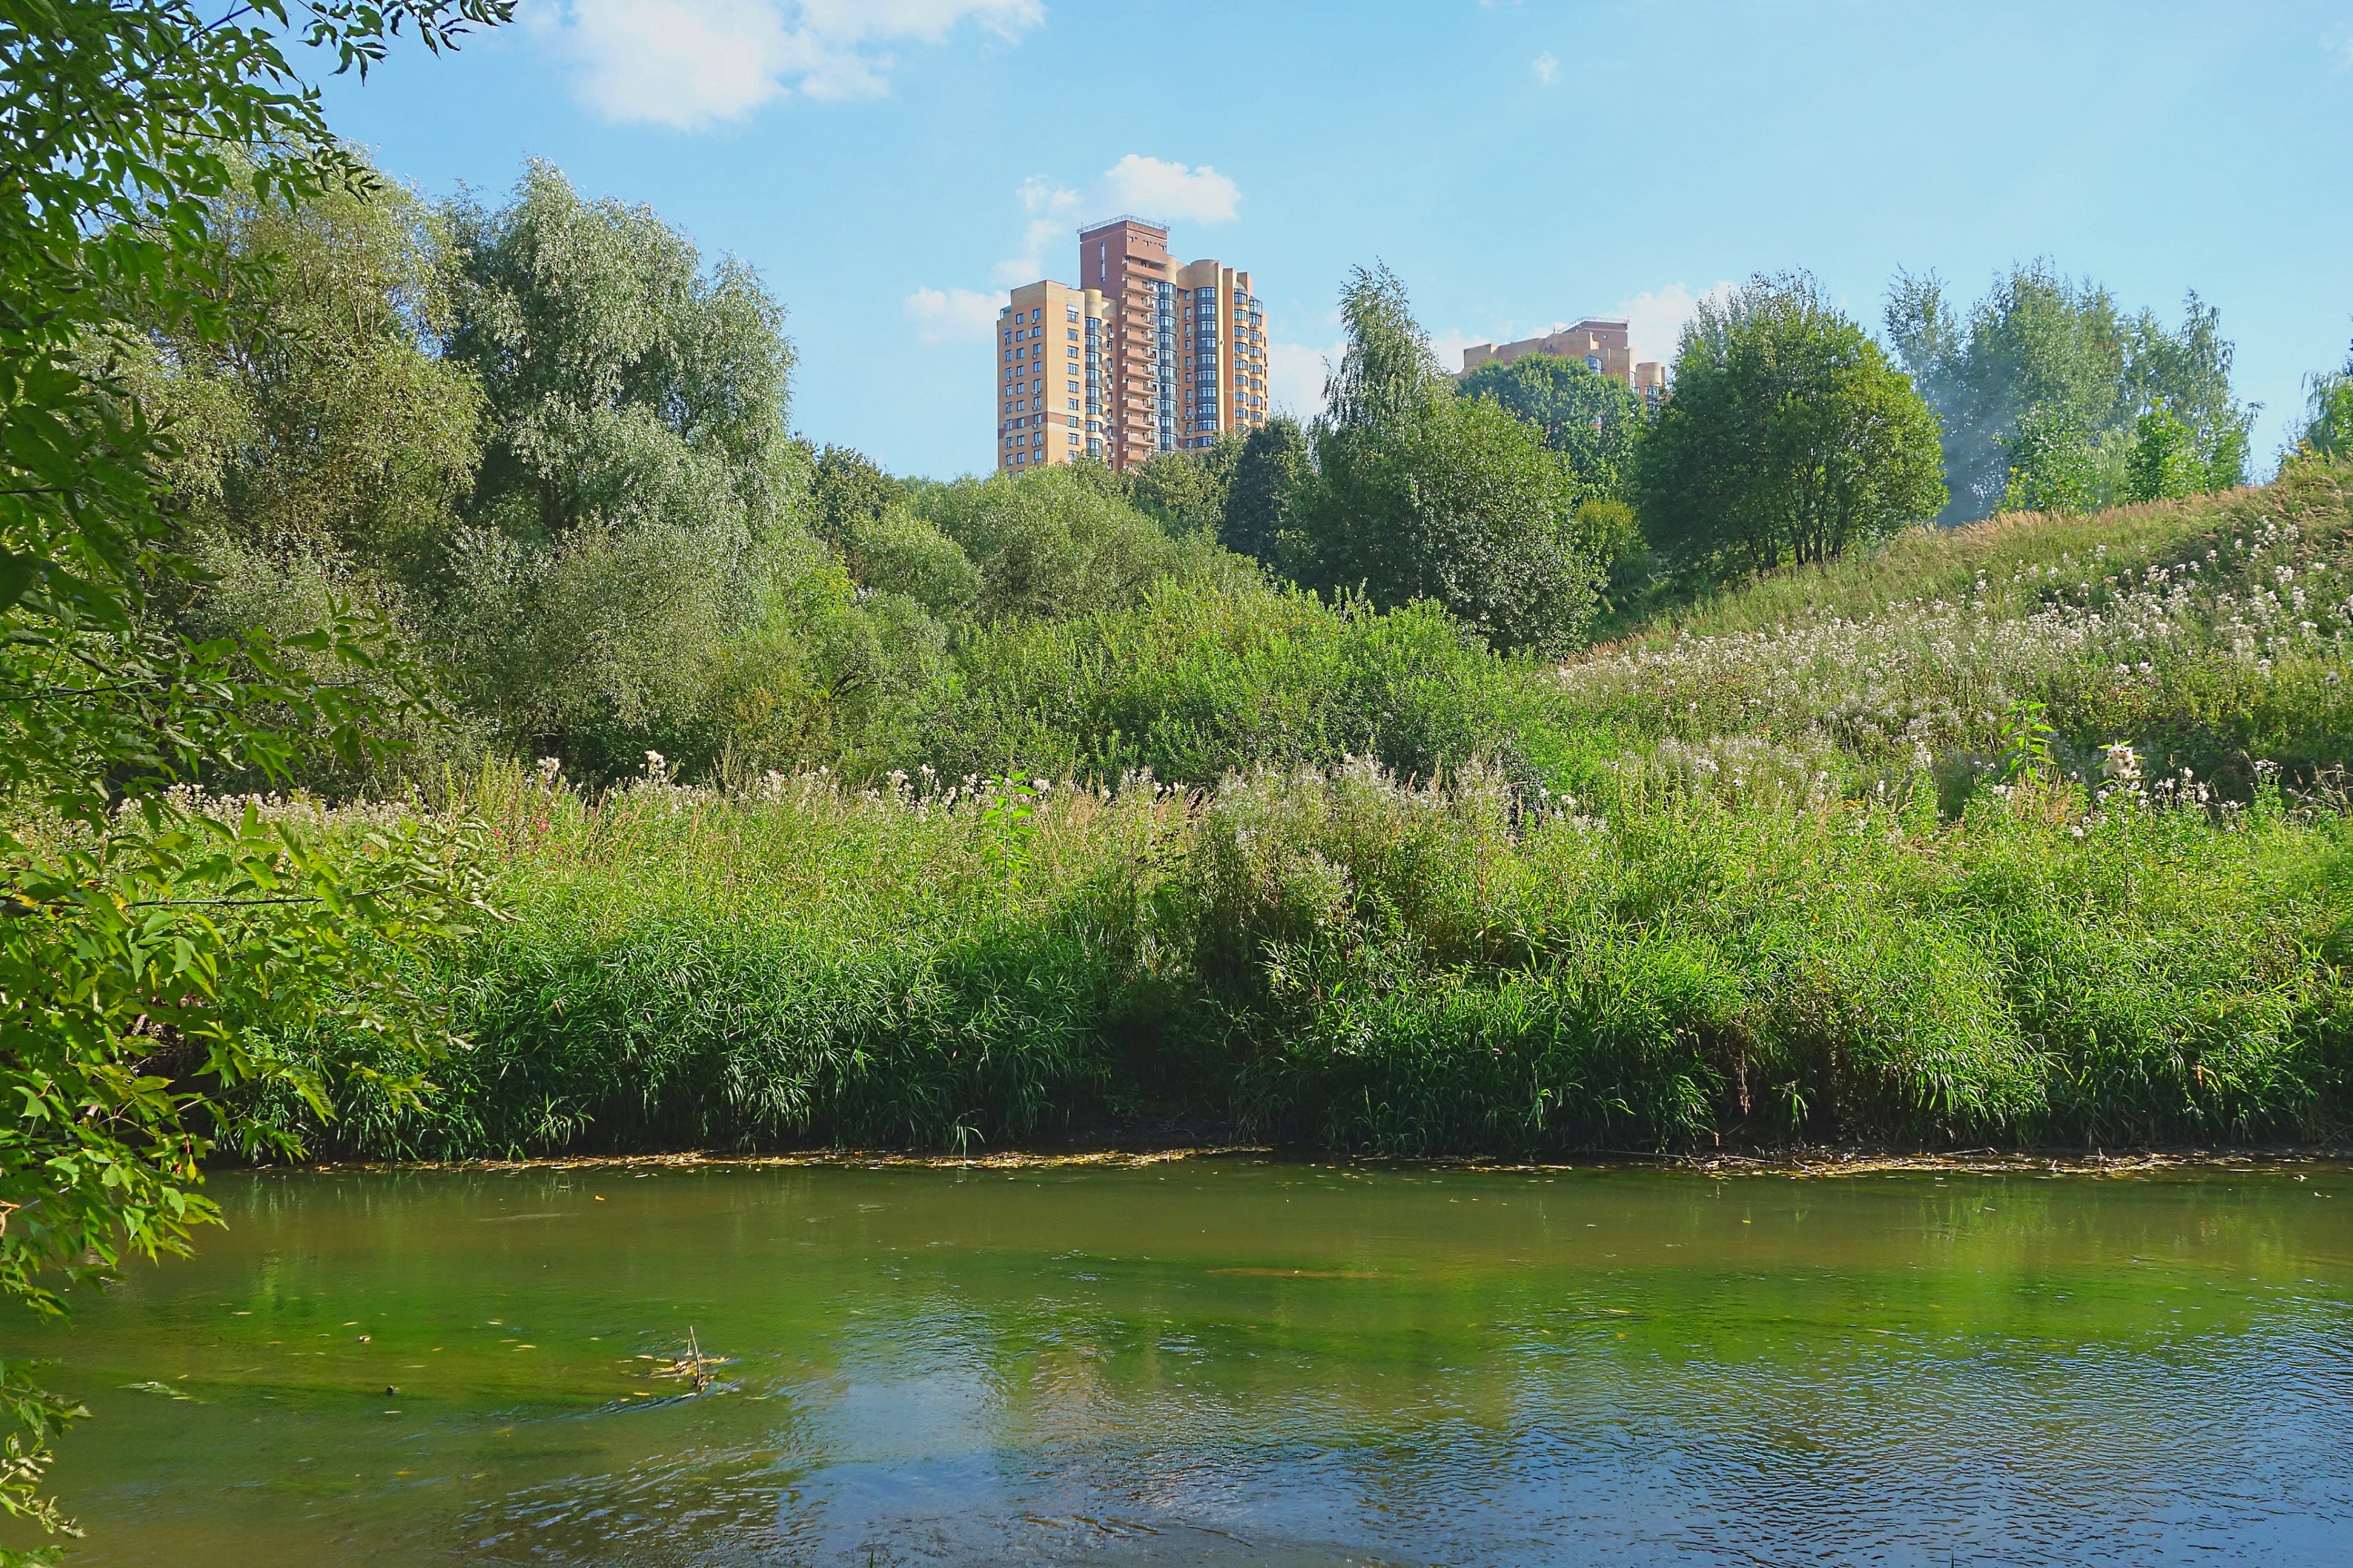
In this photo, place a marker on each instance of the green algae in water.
(1223, 1360)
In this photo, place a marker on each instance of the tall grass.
(1349, 960)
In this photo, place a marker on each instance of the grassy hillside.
(1806, 865)
(2209, 634)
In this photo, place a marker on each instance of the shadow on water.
(1224, 1361)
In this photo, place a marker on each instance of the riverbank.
(1358, 963)
(1799, 1162)
(2029, 835)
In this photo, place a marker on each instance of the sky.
(891, 166)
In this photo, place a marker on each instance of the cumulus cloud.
(1171, 192)
(692, 63)
(1053, 214)
(1654, 322)
(951, 315)
(1048, 247)
(1295, 372)
(1547, 69)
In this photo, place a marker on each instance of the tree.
(847, 491)
(1610, 532)
(322, 447)
(2164, 463)
(624, 386)
(637, 505)
(158, 960)
(2187, 372)
(1049, 543)
(2041, 341)
(1590, 419)
(1789, 439)
(1417, 494)
(1186, 490)
(2328, 416)
(320, 411)
(2052, 463)
(1267, 473)
(1387, 374)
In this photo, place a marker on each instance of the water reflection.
(1225, 1363)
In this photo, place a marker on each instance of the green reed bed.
(1351, 960)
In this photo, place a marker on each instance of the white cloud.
(1051, 213)
(1547, 69)
(1054, 211)
(1171, 192)
(691, 63)
(951, 315)
(1449, 347)
(1655, 321)
(1295, 372)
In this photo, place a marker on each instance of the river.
(1225, 1360)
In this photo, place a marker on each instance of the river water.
(1225, 1360)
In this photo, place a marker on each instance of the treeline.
(550, 448)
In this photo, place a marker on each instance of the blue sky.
(890, 164)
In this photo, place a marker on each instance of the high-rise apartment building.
(1143, 357)
(1601, 344)
(1050, 369)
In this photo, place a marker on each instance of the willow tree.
(638, 513)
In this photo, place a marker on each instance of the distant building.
(1601, 344)
(1049, 388)
(1143, 357)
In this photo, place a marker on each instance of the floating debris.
(693, 1367)
(165, 1389)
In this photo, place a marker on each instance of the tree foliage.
(848, 492)
(155, 953)
(2328, 413)
(1790, 437)
(2039, 341)
(1268, 470)
(1387, 374)
(2164, 464)
(1050, 543)
(1592, 420)
(321, 445)
(635, 508)
(2053, 467)
(1186, 489)
(1416, 493)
